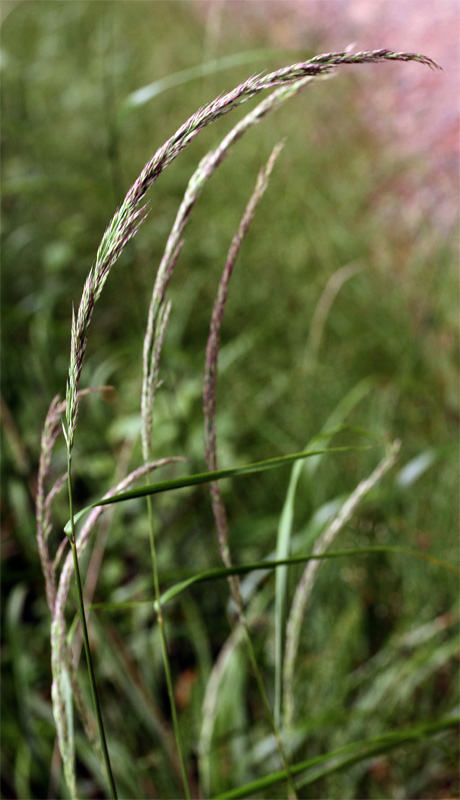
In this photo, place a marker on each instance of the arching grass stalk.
(64, 673)
(81, 610)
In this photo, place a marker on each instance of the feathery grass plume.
(153, 343)
(305, 585)
(60, 692)
(204, 171)
(159, 315)
(130, 215)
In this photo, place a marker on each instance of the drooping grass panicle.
(204, 171)
(159, 313)
(130, 215)
(305, 585)
(122, 228)
(212, 351)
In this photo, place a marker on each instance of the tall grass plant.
(220, 731)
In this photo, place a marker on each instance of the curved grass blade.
(219, 573)
(146, 93)
(208, 477)
(306, 583)
(229, 472)
(333, 425)
(358, 751)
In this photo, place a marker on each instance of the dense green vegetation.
(379, 649)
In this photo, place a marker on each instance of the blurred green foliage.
(69, 154)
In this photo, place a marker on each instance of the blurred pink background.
(415, 111)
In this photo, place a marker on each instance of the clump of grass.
(123, 227)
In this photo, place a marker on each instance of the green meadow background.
(379, 648)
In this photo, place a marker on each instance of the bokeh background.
(367, 182)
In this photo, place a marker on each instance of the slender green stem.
(81, 608)
(266, 704)
(164, 649)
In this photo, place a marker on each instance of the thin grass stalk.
(148, 394)
(64, 677)
(305, 585)
(323, 307)
(164, 650)
(158, 319)
(71, 400)
(89, 660)
(211, 695)
(209, 406)
(97, 554)
(212, 353)
(61, 661)
(43, 499)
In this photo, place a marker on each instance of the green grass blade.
(357, 751)
(146, 93)
(219, 573)
(333, 425)
(209, 477)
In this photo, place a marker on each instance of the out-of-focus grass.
(67, 161)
